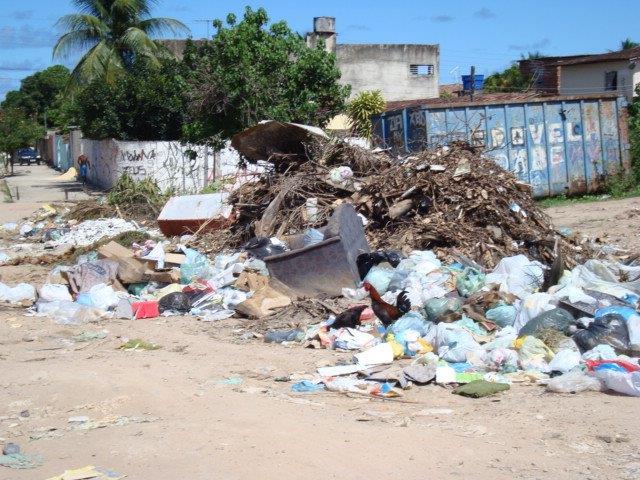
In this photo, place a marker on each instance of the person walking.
(83, 164)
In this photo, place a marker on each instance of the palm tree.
(113, 34)
(628, 43)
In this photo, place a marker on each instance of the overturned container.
(191, 213)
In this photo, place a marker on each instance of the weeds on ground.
(6, 193)
(128, 192)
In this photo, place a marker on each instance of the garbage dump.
(436, 268)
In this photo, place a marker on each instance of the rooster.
(386, 312)
(350, 318)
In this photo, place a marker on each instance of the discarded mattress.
(191, 213)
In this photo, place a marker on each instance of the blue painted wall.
(558, 147)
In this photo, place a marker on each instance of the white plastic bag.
(157, 255)
(517, 275)
(379, 355)
(573, 382)
(532, 306)
(565, 360)
(50, 292)
(621, 382)
(103, 296)
(455, 344)
(23, 292)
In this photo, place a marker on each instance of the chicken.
(367, 260)
(386, 312)
(349, 318)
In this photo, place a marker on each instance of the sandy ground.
(616, 222)
(173, 414)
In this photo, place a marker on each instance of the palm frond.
(74, 41)
(75, 21)
(97, 8)
(161, 25)
(132, 8)
(100, 61)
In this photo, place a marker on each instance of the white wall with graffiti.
(183, 168)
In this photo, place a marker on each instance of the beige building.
(399, 71)
(575, 75)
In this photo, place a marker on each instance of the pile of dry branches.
(454, 201)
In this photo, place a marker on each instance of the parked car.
(28, 155)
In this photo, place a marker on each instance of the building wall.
(169, 164)
(590, 78)
(386, 68)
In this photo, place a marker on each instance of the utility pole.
(473, 81)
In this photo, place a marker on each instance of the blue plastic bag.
(502, 315)
(307, 386)
(195, 266)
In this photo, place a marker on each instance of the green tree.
(146, 104)
(113, 34)
(17, 131)
(251, 71)
(361, 108)
(41, 94)
(628, 43)
(510, 80)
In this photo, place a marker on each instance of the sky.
(489, 34)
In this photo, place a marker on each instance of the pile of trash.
(424, 321)
(453, 201)
(146, 281)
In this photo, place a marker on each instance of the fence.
(559, 145)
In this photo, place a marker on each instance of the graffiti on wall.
(170, 164)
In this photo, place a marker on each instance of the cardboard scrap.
(134, 270)
(87, 473)
(263, 302)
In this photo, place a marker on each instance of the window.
(610, 80)
(421, 69)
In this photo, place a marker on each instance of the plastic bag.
(532, 306)
(621, 382)
(455, 344)
(633, 323)
(600, 352)
(312, 236)
(502, 315)
(54, 291)
(194, 267)
(413, 321)
(379, 277)
(103, 296)
(438, 307)
(556, 319)
(469, 282)
(261, 247)
(610, 329)
(502, 360)
(533, 353)
(22, 292)
(279, 336)
(565, 360)
(176, 301)
(573, 382)
(517, 275)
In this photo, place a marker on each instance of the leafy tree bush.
(17, 131)
(41, 94)
(510, 80)
(360, 110)
(252, 71)
(146, 104)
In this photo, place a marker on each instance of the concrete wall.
(590, 78)
(386, 68)
(167, 163)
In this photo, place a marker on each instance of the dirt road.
(207, 405)
(613, 221)
(31, 186)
